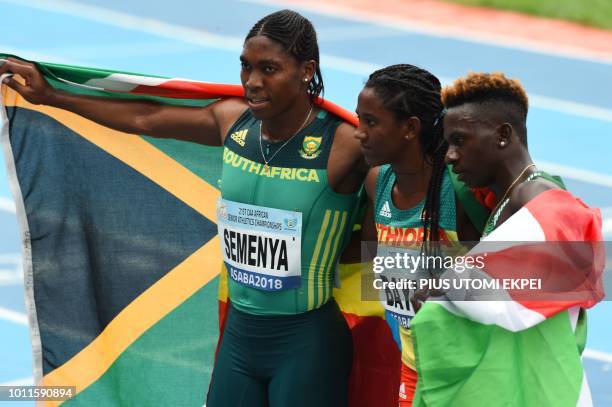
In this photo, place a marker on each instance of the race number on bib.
(395, 298)
(261, 246)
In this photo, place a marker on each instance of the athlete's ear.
(504, 134)
(411, 127)
(309, 68)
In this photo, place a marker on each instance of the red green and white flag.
(518, 349)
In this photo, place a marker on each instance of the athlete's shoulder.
(349, 147)
(526, 191)
(345, 132)
(230, 106)
(227, 112)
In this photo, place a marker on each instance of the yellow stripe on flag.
(170, 291)
(146, 310)
(138, 154)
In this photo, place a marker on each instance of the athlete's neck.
(510, 171)
(286, 124)
(412, 171)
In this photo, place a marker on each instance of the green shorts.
(278, 361)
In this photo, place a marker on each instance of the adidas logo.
(385, 210)
(240, 136)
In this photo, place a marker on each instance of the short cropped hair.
(507, 96)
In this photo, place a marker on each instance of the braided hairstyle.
(407, 90)
(297, 35)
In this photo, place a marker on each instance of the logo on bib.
(221, 211)
(385, 210)
(290, 223)
(240, 136)
(311, 147)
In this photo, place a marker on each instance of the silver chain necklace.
(263, 156)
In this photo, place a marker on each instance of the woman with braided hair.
(285, 341)
(412, 201)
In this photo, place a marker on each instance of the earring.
(502, 143)
(305, 79)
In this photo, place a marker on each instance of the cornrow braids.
(408, 91)
(299, 38)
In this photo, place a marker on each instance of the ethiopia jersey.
(404, 228)
(281, 226)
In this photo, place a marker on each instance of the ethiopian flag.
(518, 348)
(121, 254)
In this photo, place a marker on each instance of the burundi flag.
(121, 254)
(518, 347)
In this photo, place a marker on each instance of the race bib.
(262, 247)
(395, 297)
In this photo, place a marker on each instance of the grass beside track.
(597, 13)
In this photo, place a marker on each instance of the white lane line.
(11, 277)
(597, 355)
(7, 205)
(26, 381)
(13, 316)
(365, 68)
(127, 49)
(36, 56)
(606, 228)
(445, 31)
(566, 171)
(355, 32)
(535, 100)
(130, 22)
(234, 44)
(569, 107)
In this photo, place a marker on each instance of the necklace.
(501, 205)
(269, 160)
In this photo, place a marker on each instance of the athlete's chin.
(472, 182)
(371, 158)
(262, 112)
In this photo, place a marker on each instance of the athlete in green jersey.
(289, 177)
(412, 200)
(295, 181)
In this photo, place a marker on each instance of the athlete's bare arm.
(353, 253)
(205, 125)
(347, 167)
(368, 227)
(466, 230)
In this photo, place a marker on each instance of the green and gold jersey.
(281, 225)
